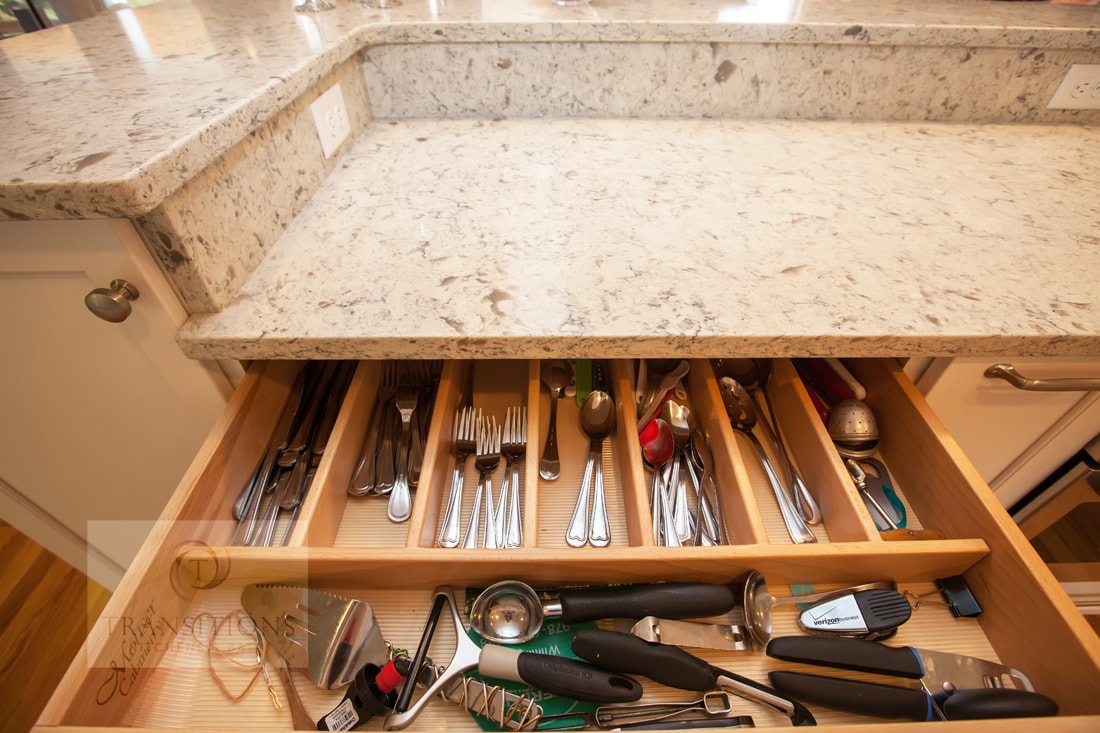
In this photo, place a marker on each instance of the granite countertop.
(107, 117)
(630, 238)
(623, 237)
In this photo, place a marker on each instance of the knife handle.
(857, 654)
(666, 600)
(626, 653)
(855, 696)
(561, 676)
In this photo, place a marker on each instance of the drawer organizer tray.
(140, 668)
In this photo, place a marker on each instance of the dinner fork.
(513, 446)
(465, 444)
(399, 506)
(487, 458)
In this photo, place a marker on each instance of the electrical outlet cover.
(1079, 90)
(330, 115)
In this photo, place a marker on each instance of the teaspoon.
(556, 376)
(597, 422)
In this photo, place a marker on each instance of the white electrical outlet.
(331, 117)
(1079, 90)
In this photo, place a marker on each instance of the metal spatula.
(329, 637)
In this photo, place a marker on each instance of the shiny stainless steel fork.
(487, 459)
(400, 503)
(513, 446)
(464, 439)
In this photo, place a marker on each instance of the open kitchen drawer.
(145, 663)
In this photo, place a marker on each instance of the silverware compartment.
(494, 389)
(556, 499)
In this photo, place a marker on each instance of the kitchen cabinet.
(1015, 438)
(100, 419)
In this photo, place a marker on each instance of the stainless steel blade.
(944, 671)
(729, 637)
(330, 637)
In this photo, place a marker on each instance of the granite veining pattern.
(787, 80)
(188, 79)
(208, 235)
(528, 238)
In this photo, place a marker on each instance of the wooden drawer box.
(144, 666)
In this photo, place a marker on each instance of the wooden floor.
(46, 610)
(1071, 542)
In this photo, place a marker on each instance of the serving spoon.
(753, 375)
(742, 415)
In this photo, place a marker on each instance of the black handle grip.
(974, 704)
(665, 600)
(576, 680)
(672, 666)
(858, 654)
(855, 696)
(626, 653)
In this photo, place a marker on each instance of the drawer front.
(145, 661)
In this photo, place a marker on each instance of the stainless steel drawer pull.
(1008, 373)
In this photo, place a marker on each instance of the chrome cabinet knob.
(113, 303)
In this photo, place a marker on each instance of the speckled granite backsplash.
(858, 81)
(426, 80)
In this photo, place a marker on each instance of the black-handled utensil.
(666, 600)
(563, 676)
(511, 612)
(941, 685)
(911, 703)
(672, 666)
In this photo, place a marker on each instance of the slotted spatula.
(329, 637)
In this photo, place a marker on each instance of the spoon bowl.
(508, 612)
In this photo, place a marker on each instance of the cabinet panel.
(101, 419)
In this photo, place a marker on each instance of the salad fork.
(487, 458)
(465, 444)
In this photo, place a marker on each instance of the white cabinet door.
(1015, 438)
(100, 420)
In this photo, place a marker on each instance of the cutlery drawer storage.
(144, 664)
